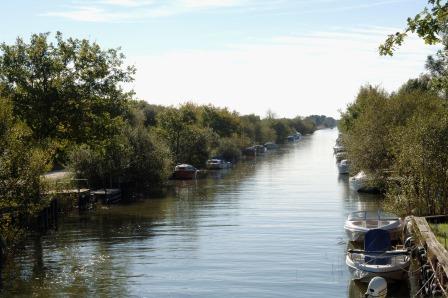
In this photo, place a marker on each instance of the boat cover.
(377, 240)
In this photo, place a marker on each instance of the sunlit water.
(270, 227)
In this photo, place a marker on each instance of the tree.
(21, 167)
(430, 25)
(188, 141)
(223, 122)
(67, 89)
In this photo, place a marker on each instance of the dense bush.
(21, 165)
(136, 158)
(228, 150)
(401, 140)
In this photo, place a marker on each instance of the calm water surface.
(271, 227)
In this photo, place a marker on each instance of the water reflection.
(269, 227)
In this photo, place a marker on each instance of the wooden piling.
(436, 254)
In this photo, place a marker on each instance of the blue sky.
(291, 56)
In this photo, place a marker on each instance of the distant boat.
(359, 223)
(249, 151)
(294, 138)
(341, 156)
(343, 166)
(184, 171)
(217, 164)
(260, 149)
(271, 146)
(378, 258)
(107, 195)
(361, 182)
(338, 148)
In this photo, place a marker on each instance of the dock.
(107, 195)
(432, 257)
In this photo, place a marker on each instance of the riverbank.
(431, 257)
(247, 232)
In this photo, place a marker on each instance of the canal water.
(270, 227)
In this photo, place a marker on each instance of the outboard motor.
(377, 288)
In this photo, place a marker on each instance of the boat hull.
(343, 169)
(366, 273)
(184, 175)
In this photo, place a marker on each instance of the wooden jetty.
(432, 256)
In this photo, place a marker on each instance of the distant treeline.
(62, 106)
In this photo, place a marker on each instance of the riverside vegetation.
(401, 138)
(62, 105)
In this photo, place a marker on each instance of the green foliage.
(150, 161)
(282, 129)
(322, 121)
(228, 149)
(21, 167)
(422, 161)
(221, 121)
(401, 140)
(429, 24)
(136, 157)
(67, 90)
(189, 142)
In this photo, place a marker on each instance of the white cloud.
(127, 3)
(315, 73)
(106, 10)
(211, 3)
(89, 14)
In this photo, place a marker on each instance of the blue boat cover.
(377, 240)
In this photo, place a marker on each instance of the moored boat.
(271, 146)
(260, 149)
(340, 156)
(249, 151)
(294, 137)
(361, 182)
(184, 171)
(359, 223)
(217, 164)
(343, 166)
(338, 148)
(378, 258)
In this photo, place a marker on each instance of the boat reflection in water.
(271, 227)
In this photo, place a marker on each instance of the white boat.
(338, 148)
(340, 156)
(378, 258)
(271, 146)
(217, 164)
(359, 223)
(185, 171)
(343, 166)
(361, 182)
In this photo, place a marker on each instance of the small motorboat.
(361, 182)
(378, 258)
(184, 171)
(260, 149)
(294, 137)
(343, 166)
(338, 148)
(340, 156)
(359, 223)
(217, 164)
(249, 151)
(271, 146)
